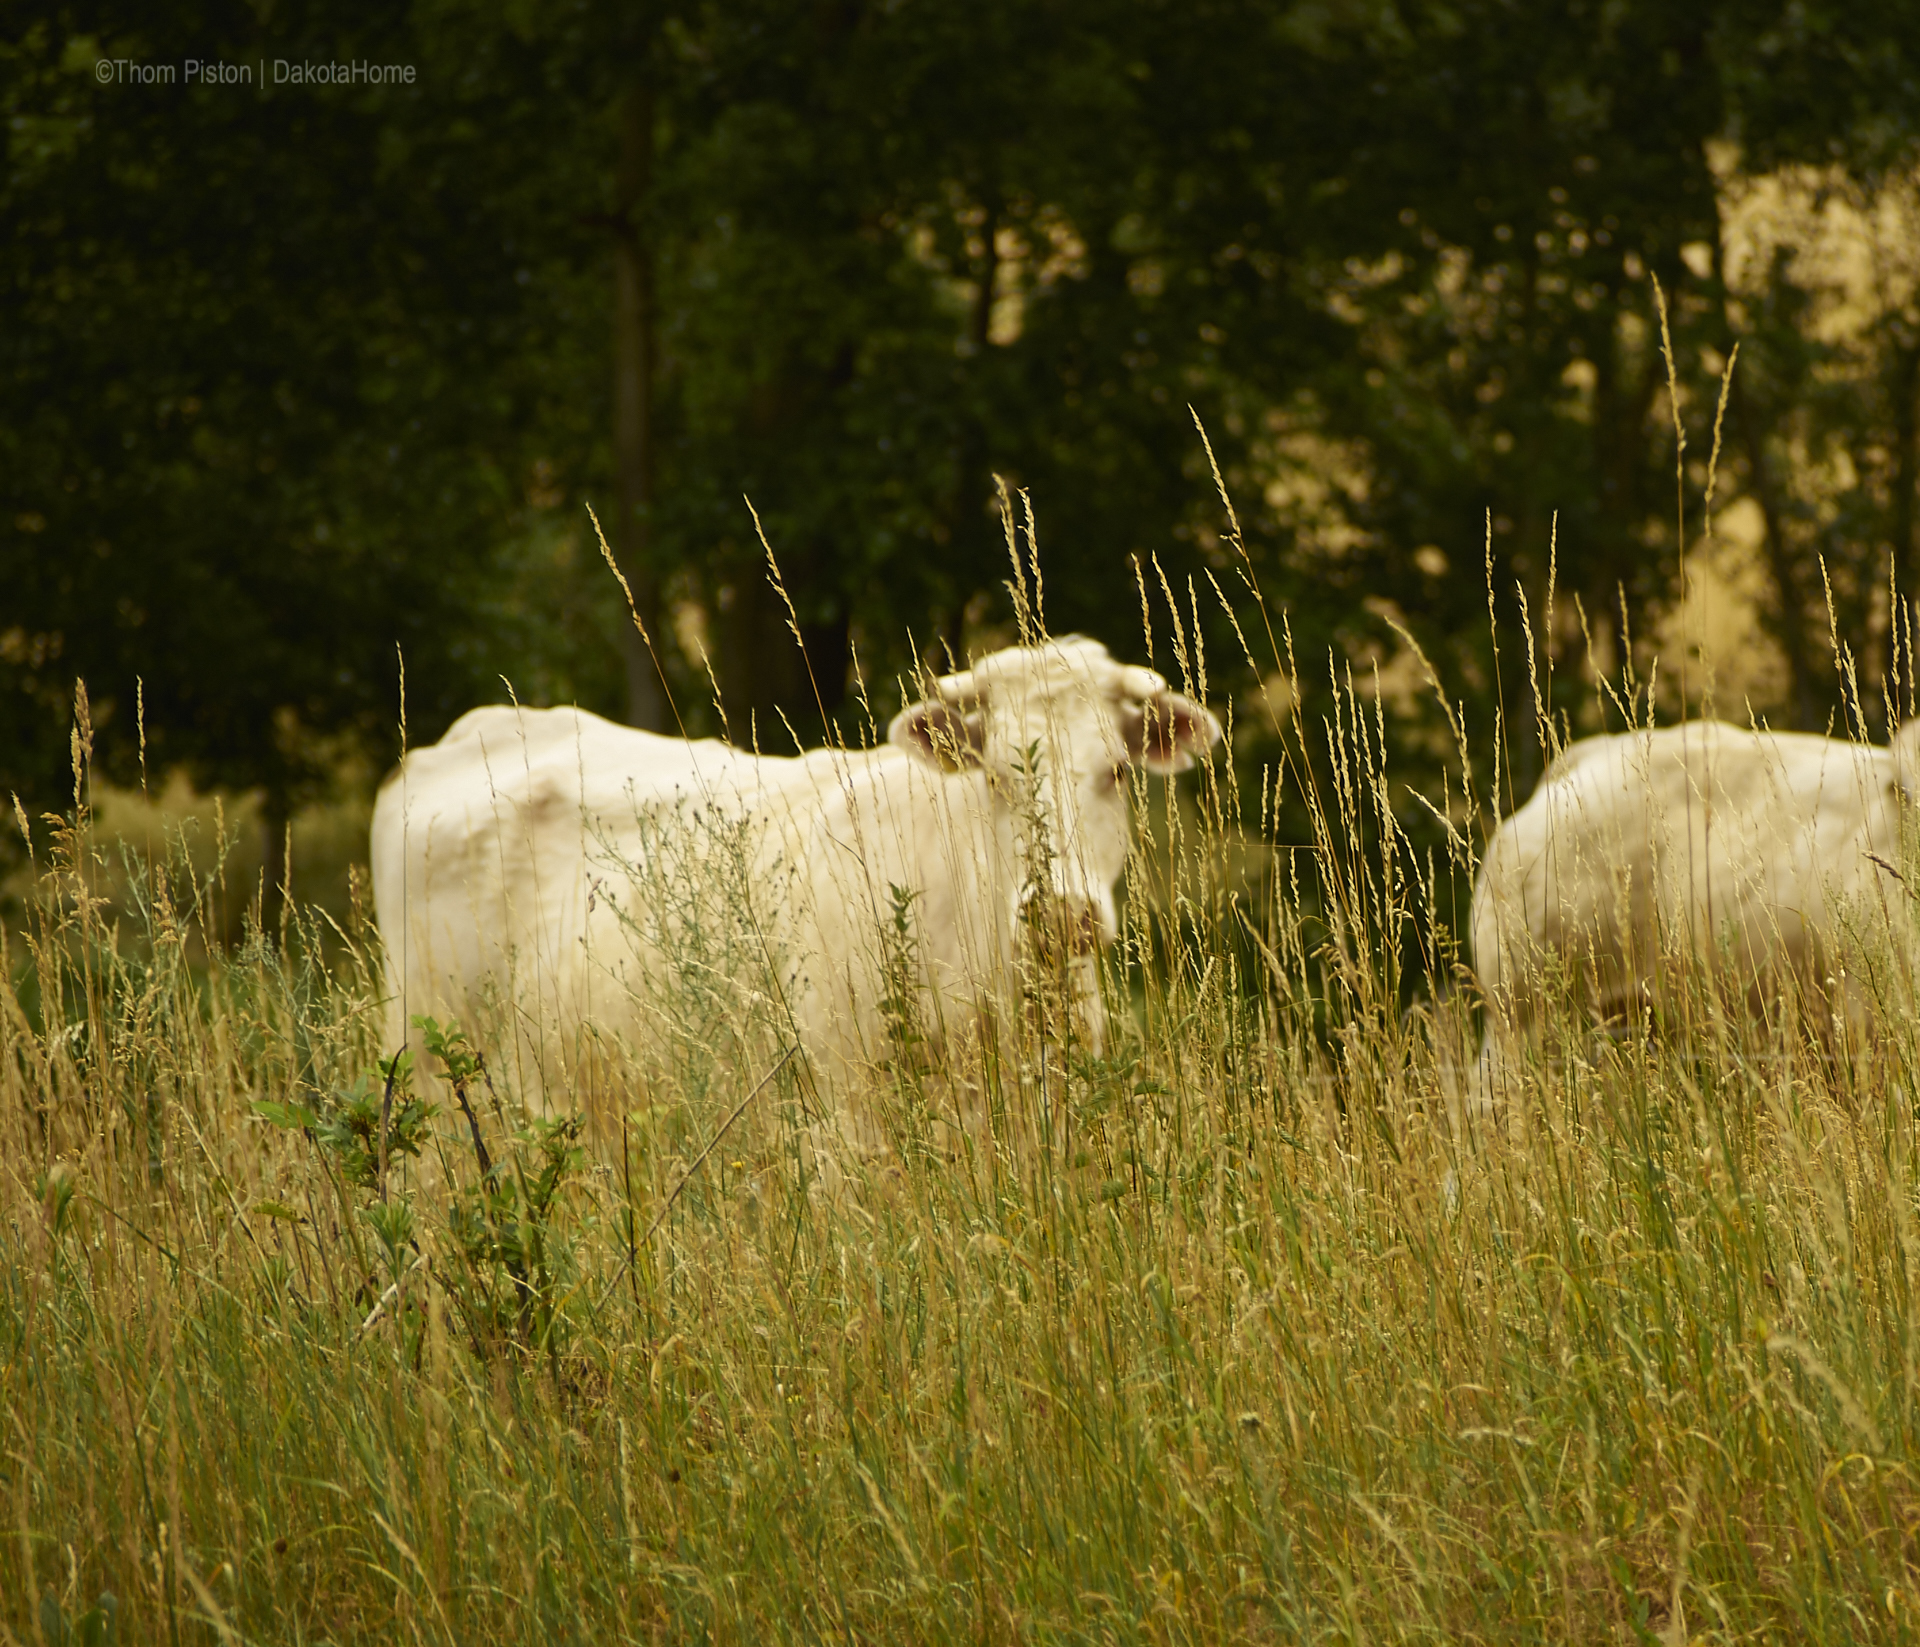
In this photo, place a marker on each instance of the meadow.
(1242, 1330)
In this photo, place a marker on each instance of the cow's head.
(1056, 729)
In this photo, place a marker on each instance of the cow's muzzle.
(1059, 929)
(1061, 938)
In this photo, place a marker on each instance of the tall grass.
(1235, 1332)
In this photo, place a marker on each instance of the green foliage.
(290, 380)
(93, 1628)
(287, 459)
(504, 1228)
(392, 1222)
(455, 1052)
(360, 1126)
(1243, 1331)
(900, 1006)
(55, 1189)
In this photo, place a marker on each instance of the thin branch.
(713, 1143)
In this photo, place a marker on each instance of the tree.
(256, 431)
(852, 262)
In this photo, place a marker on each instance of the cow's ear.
(1165, 732)
(938, 733)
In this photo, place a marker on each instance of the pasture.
(1240, 1330)
(1118, 1147)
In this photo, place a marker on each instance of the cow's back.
(574, 889)
(486, 847)
(1703, 838)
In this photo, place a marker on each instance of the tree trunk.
(966, 517)
(1901, 524)
(633, 408)
(980, 321)
(768, 684)
(1614, 581)
(275, 865)
(1790, 618)
(827, 654)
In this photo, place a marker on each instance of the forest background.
(297, 380)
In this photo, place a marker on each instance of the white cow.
(576, 885)
(1775, 857)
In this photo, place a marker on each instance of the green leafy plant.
(901, 969)
(362, 1127)
(93, 1628)
(503, 1226)
(504, 1230)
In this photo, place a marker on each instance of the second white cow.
(544, 872)
(1774, 857)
